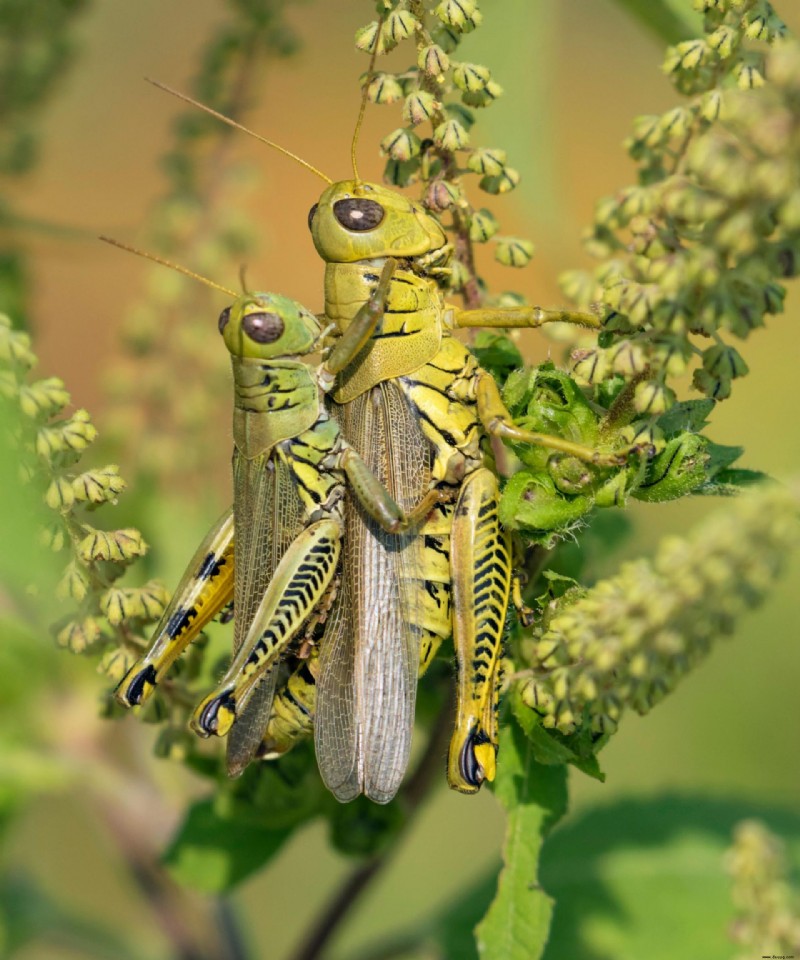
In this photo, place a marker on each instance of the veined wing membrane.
(370, 653)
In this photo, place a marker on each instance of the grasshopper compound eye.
(263, 327)
(224, 317)
(311, 213)
(356, 213)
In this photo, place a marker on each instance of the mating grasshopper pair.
(423, 555)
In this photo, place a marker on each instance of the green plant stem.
(337, 911)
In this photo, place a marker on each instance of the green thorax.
(408, 336)
(274, 400)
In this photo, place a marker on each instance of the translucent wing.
(370, 652)
(267, 517)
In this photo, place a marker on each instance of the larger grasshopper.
(416, 406)
(290, 465)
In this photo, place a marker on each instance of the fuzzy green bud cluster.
(767, 908)
(50, 446)
(440, 93)
(692, 256)
(628, 640)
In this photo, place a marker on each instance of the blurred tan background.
(731, 727)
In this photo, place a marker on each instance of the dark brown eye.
(263, 327)
(355, 213)
(224, 317)
(311, 213)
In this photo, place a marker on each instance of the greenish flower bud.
(54, 536)
(725, 40)
(367, 35)
(15, 346)
(115, 604)
(401, 144)
(441, 195)
(44, 398)
(399, 25)
(712, 105)
(723, 361)
(459, 276)
(119, 546)
(116, 663)
(513, 252)
(487, 161)
(485, 97)
(471, 77)
(502, 183)
(651, 397)
(686, 56)
(433, 61)
(717, 388)
(98, 486)
(675, 123)
(628, 359)
(153, 598)
(643, 434)
(59, 495)
(419, 107)
(79, 635)
(462, 15)
(384, 88)
(482, 226)
(589, 365)
(748, 74)
(736, 233)
(451, 136)
(401, 173)
(74, 584)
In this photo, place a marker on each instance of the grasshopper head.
(267, 325)
(354, 220)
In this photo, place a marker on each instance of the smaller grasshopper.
(290, 467)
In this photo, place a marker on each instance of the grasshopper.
(416, 405)
(290, 466)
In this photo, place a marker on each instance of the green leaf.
(645, 877)
(729, 482)
(551, 747)
(535, 797)
(670, 20)
(689, 416)
(497, 354)
(721, 456)
(211, 853)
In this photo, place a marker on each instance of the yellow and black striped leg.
(361, 328)
(481, 577)
(301, 580)
(499, 423)
(292, 717)
(205, 589)
(517, 317)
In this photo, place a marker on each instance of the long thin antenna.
(363, 108)
(238, 126)
(170, 264)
